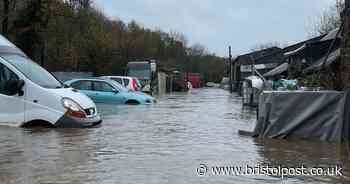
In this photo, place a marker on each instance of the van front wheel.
(38, 123)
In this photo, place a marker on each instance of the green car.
(109, 91)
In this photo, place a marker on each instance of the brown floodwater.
(161, 143)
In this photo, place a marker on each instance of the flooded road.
(161, 143)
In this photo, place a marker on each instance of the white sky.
(219, 23)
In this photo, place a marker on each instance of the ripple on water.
(160, 143)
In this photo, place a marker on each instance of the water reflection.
(160, 143)
(294, 154)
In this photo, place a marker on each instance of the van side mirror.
(115, 91)
(14, 87)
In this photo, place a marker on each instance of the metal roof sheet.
(333, 56)
(331, 35)
(278, 70)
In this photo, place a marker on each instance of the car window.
(126, 82)
(119, 80)
(118, 86)
(6, 75)
(82, 85)
(102, 86)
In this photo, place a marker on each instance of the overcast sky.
(219, 23)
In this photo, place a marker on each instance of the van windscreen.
(33, 71)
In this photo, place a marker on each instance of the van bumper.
(69, 122)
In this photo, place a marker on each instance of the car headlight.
(74, 109)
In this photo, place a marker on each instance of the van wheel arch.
(38, 123)
(132, 102)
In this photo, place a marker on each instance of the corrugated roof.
(278, 70)
(333, 56)
(295, 51)
(248, 59)
(331, 35)
(300, 44)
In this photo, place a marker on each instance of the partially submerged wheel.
(38, 124)
(132, 102)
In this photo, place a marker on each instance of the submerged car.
(109, 91)
(31, 96)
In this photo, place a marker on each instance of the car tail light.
(134, 84)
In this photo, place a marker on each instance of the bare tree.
(197, 50)
(328, 21)
(5, 21)
(177, 36)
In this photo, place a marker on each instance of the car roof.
(123, 77)
(89, 79)
(94, 79)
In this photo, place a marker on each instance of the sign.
(248, 68)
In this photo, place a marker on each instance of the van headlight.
(74, 109)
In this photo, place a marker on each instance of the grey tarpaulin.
(305, 115)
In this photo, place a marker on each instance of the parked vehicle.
(195, 79)
(179, 82)
(131, 83)
(31, 96)
(109, 91)
(146, 72)
(225, 83)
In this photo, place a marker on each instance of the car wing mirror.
(115, 91)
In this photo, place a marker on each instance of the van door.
(11, 107)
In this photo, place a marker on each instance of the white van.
(31, 96)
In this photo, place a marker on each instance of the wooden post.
(345, 48)
(230, 61)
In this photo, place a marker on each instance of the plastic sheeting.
(255, 81)
(304, 115)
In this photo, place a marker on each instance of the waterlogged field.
(184, 138)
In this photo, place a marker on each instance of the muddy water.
(162, 143)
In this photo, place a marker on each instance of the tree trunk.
(345, 48)
(5, 21)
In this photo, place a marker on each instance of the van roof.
(5, 42)
(6, 47)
